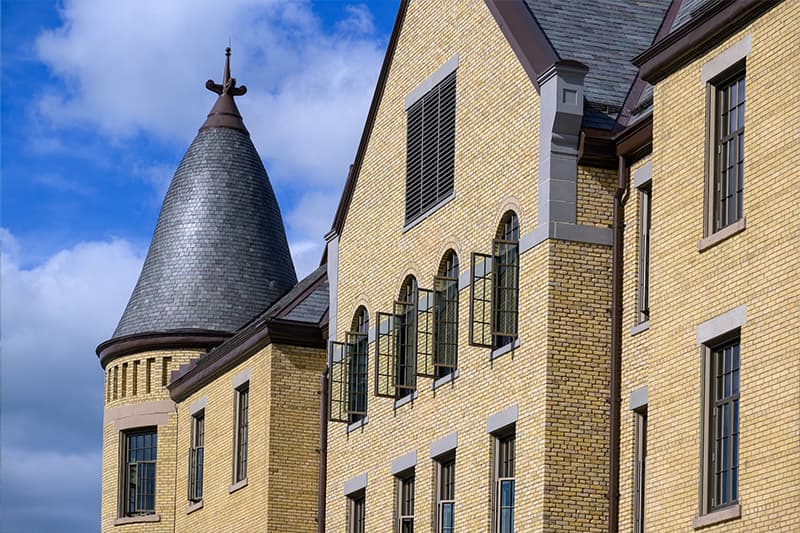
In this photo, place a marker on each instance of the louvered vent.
(430, 148)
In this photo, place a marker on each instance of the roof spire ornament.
(225, 114)
(228, 84)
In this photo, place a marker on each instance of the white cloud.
(139, 67)
(53, 316)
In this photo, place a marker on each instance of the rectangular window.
(138, 491)
(124, 379)
(135, 390)
(165, 370)
(149, 377)
(504, 483)
(240, 437)
(445, 321)
(645, 197)
(640, 465)
(385, 358)
(355, 512)
(405, 504)
(108, 386)
(445, 495)
(726, 137)
(430, 148)
(405, 330)
(116, 376)
(196, 457)
(724, 424)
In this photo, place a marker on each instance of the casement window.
(445, 492)
(503, 496)
(645, 210)
(405, 503)
(726, 120)
(196, 456)
(242, 400)
(640, 468)
(721, 425)
(430, 148)
(356, 504)
(404, 343)
(445, 318)
(138, 488)
(348, 372)
(494, 291)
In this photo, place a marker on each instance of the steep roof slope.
(219, 254)
(604, 35)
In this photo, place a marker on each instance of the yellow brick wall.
(758, 268)
(283, 438)
(112, 441)
(497, 138)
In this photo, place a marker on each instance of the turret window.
(139, 477)
(196, 456)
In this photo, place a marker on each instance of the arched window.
(405, 329)
(357, 355)
(505, 315)
(445, 319)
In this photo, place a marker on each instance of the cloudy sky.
(99, 102)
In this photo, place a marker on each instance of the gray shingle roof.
(686, 11)
(219, 255)
(306, 302)
(604, 35)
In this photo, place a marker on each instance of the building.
(560, 292)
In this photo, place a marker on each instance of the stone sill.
(406, 399)
(194, 506)
(357, 425)
(449, 378)
(237, 486)
(498, 352)
(638, 328)
(728, 231)
(718, 516)
(137, 519)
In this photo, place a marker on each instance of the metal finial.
(228, 85)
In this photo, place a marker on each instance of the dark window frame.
(140, 463)
(725, 149)
(356, 512)
(503, 480)
(640, 469)
(241, 431)
(405, 338)
(196, 455)
(645, 224)
(445, 316)
(357, 343)
(404, 502)
(444, 493)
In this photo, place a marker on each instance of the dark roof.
(687, 11)
(306, 302)
(604, 35)
(219, 254)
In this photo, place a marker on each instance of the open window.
(445, 316)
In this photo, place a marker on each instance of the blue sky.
(99, 102)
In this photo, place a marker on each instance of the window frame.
(404, 501)
(196, 456)
(445, 316)
(503, 446)
(711, 351)
(444, 491)
(356, 512)
(713, 222)
(126, 466)
(241, 432)
(405, 338)
(644, 252)
(640, 468)
(357, 353)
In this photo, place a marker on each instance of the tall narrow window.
(724, 424)
(116, 381)
(240, 438)
(108, 386)
(445, 287)
(135, 390)
(196, 457)
(356, 504)
(405, 503)
(430, 148)
(139, 477)
(405, 329)
(357, 340)
(504, 483)
(506, 281)
(148, 380)
(728, 115)
(445, 495)
(645, 197)
(640, 464)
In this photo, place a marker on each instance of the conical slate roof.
(219, 254)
